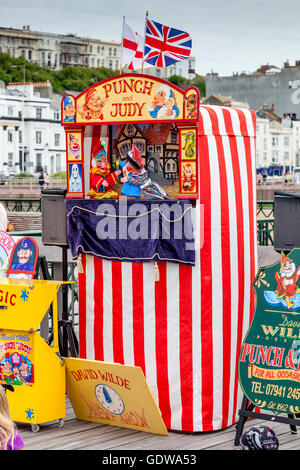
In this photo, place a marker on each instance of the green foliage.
(23, 175)
(181, 82)
(69, 78)
(59, 174)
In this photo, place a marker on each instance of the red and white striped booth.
(185, 330)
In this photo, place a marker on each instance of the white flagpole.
(121, 58)
(144, 39)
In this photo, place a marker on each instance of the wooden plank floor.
(83, 435)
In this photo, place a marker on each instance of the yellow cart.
(33, 368)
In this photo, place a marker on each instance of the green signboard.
(269, 365)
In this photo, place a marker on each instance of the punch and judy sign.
(269, 366)
(131, 98)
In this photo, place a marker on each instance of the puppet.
(102, 180)
(138, 176)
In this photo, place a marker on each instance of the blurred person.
(3, 218)
(10, 438)
(46, 181)
(41, 180)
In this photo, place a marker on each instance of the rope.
(131, 216)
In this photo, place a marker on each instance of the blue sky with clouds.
(228, 36)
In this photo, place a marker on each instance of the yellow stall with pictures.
(32, 369)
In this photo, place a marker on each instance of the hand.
(105, 184)
(118, 172)
(124, 180)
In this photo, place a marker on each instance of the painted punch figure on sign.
(102, 180)
(286, 280)
(136, 175)
(163, 105)
(23, 259)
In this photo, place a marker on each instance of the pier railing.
(265, 237)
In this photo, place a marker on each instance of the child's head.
(6, 423)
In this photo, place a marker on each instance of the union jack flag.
(165, 45)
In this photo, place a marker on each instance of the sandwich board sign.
(269, 365)
(113, 394)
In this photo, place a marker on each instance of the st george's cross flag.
(165, 45)
(132, 48)
(137, 60)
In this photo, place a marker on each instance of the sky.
(228, 36)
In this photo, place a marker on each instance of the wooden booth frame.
(126, 99)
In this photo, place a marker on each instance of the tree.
(181, 82)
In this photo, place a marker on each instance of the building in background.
(31, 136)
(224, 101)
(270, 86)
(58, 51)
(185, 68)
(277, 143)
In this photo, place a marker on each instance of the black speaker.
(286, 221)
(54, 219)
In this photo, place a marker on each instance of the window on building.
(10, 159)
(92, 62)
(275, 141)
(9, 136)
(286, 155)
(29, 55)
(56, 140)
(286, 141)
(265, 156)
(110, 64)
(38, 161)
(38, 113)
(20, 137)
(274, 156)
(56, 116)
(38, 137)
(265, 143)
(10, 111)
(115, 51)
(109, 51)
(58, 164)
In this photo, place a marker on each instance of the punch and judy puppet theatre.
(161, 217)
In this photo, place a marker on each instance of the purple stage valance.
(130, 230)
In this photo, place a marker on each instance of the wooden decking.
(83, 435)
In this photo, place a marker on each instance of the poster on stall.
(269, 365)
(112, 394)
(16, 358)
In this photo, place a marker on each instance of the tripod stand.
(66, 335)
